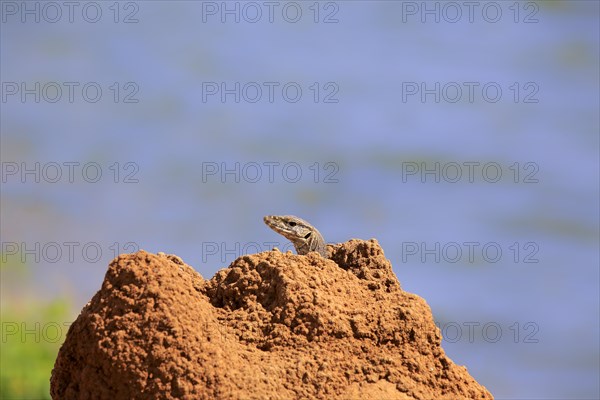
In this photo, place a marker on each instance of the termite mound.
(269, 326)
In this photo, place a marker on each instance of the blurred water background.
(343, 93)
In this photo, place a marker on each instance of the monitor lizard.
(304, 236)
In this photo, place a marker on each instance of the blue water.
(363, 132)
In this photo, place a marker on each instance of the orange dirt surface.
(269, 326)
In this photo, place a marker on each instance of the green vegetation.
(31, 335)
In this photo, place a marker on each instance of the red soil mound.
(270, 326)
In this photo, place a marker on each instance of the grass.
(31, 335)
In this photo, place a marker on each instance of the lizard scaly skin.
(304, 236)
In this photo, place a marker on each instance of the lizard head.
(291, 227)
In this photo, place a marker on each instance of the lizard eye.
(291, 223)
(307, 235)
